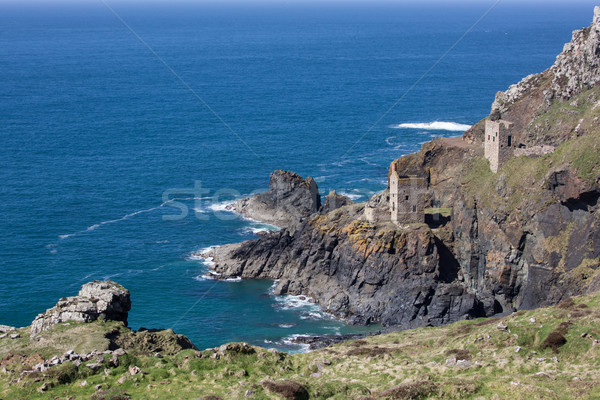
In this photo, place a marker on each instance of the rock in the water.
(97, 299)
(290, 198)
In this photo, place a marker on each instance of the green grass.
(505, 190)
(444, 212)
(405, 364)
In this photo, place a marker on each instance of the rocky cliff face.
(532, 104)
(524, 237)
(289, 200)
(356, 270)
(98, 299)
(577, 68)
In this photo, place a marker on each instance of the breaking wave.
(436, 125)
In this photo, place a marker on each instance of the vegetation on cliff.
(548, 353)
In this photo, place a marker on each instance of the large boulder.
(98, 299)
(289, 200)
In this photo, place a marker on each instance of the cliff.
(289, 200)
(525, 237)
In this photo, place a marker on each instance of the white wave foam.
(201, 255)
(254, 230)
(258, 228)
(289, 341)
(223, 206)
(435, 125)
(351, 196)
(238, 279)
(366, 161)
(313, 315)
(286, 326)
(112, 221)
(201, 278)
(289, 302)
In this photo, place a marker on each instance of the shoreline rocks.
(288, 201)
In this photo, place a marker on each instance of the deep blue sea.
(105, 117)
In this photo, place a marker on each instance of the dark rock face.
(290, 199)
(355, 270)
(97, 299)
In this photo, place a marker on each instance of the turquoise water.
(96, 131)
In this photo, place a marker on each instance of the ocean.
(126, 127)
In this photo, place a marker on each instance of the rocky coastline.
(525, 237)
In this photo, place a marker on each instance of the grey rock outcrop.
(289, 200)
(333, 201)
(357, 271)
(577, 68)
(98, 299)
(6, 328)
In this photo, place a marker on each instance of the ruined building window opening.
(406, 197)
(414, 208)
(509, 140)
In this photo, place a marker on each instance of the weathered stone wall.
(376, 214)
(498, 147)
(407, 199)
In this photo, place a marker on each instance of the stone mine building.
(499, 143)
(407, 200)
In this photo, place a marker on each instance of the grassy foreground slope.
(548, 353)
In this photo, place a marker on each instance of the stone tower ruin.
(499, 143)
(407, 198)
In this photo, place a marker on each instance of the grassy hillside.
(548, 353)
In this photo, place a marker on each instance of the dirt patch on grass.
(556, 338)
(566, 304)
(358, 343)
(289, 390)
(21, 360)
(409, 391)
(460, 354)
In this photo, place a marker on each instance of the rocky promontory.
(289, 200)
(524, 237)
(98, 299)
